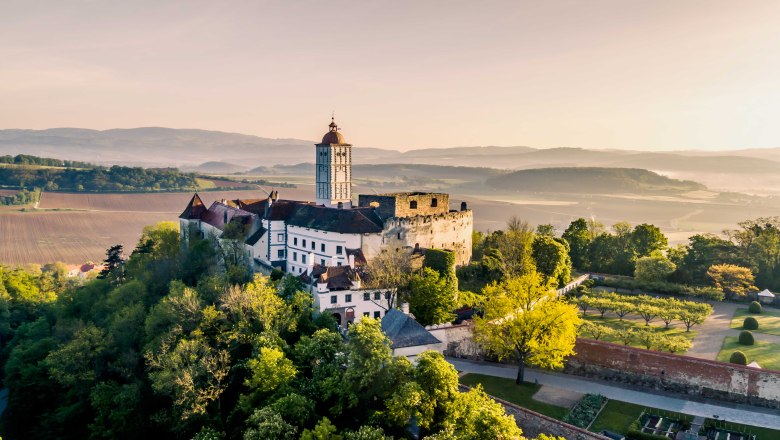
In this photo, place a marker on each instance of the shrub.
(585, 411)
(746, 338)
(750, 323)
(755, 307)
(738, 358)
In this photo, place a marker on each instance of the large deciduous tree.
(736, 281)
(431, 298)
(524, 318)
(578, 236)
(552, 259)
(653, 268)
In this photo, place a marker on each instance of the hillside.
(215, 167)
(591, 180)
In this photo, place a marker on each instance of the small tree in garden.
(754, 307)
(738, 358)
(674, 344)
(648, 338)
(736, 281)
(603, 305)
(669, 312)
(693, 314)
(750, 323)
(624, 335)
(595, 330)
(622, 308)
(647, 312)
(583, 303)
(746, 338)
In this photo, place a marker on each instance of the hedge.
(750, 323)
(746, 338)
(662, 287)
(754, 307)
(738, 358)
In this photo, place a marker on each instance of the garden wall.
(532, 423)
(680, 374)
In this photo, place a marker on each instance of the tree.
(509, 252)
(579, 236)
(479, 417)
(704, 251)
(523, 317)
(734, 280)
(368, 352)
(622, 308)
(653, 268)
(545, 230)
(270, 370)
(674, 344)
(647, 239)
(113, 264)
(267, 424)
(647, 311)
(669, 311)
(595, 330)
(694, 313)
(324, 430)
(646, 337)
(552, 259)
(389, 270)
(431, 298)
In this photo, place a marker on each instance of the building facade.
(332, 234)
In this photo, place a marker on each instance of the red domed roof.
(333, 136)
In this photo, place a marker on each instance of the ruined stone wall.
(680, 374)
(451, 230)
(532, 423)
(401, 204)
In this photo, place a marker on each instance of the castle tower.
(334, 169)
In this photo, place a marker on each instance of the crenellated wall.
(406, 204)
(451, 230)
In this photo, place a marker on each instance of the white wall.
(322, 301)
(331, 240)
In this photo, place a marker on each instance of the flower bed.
(585, 411)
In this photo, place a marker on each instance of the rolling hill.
(591, 180)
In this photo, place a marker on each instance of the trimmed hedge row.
(710, 293)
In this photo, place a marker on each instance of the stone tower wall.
(451, 230)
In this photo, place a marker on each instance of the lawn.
(520, 395)
(768, 320)
(675, 329)
(617, 415)
(761, 433)
(765, 353)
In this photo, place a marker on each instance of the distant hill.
(215, 167)
(591, 180)
(390, 171)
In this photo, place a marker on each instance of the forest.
(27, 172)
(164, 345)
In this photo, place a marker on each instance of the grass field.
(675, 329)
(520, 395)
(765, 353)
(617, 416)
(768, 320)
(761, 433)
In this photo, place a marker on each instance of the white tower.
(334, 170)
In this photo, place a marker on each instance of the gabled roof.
(220, 214)
(404, 331)
(254, 238)
(194, 209)
(360, 259)
(347, 220)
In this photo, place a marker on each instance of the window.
(303, 258)
(333, 299)
(280, 253)
(338, 263)
(366, 314)
(376, 296)
(366, 296)
(413, 204)
(304, 242)
(295, 256)
(295, 241)
(376, 314)
(322, 262)
(434, 202)
(339, 250)
(399, 235)
(322, 247)
(387, 295)
(280, 237)
(348, 298)
(313, 246)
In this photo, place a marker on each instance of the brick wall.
(532, 423)
(680, 374)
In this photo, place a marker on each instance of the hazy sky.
(603, 74)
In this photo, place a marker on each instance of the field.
(78, 227)
(768, 320)
(765, 353)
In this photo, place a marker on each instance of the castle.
(328, 242)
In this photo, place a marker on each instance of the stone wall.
(680, 374)
(451, 230)
(400, 204)
(532, 423)
(457, 340)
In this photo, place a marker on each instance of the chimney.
(310, 264)
(405, 308)
(463, 206)
(352, 261)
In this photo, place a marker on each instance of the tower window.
(434, 202)
(413, 204)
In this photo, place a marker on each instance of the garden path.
(716, 327)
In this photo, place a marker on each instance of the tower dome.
(333, 136)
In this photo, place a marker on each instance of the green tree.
(269, 370)
(524, 318)
(578, 236)
(552, 259)
(653, 268)
(647, 239)
(431, 298)
(324, 430)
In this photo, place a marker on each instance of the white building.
(312, 239)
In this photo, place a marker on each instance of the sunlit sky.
(663, 74)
